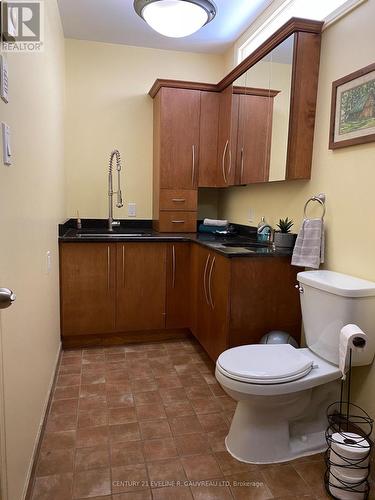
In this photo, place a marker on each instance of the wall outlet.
(251, 215)
(132, 209)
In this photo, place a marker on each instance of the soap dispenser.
(264, 230)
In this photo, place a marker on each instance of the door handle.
(173, 266)
(210, 283)
(205, 278)
(7, 297)
(223, 161)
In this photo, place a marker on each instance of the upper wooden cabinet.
(208, 135)
(179, 112)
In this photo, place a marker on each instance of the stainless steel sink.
(253, 244)
(111, 235)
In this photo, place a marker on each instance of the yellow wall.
(347, 175)
(31, 206)
(107, 107)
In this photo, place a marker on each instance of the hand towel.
(215, 222)
(209, 229)
(309, 248)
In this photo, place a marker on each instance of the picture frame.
(353, 109)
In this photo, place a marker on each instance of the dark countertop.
(142, 231)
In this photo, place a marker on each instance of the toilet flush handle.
(299, 288)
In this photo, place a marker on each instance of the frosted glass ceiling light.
(175, 18)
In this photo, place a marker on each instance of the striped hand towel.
(309, 248)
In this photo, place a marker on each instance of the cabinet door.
(227, 138)
(208, 142)
(141, 281)
(179, 138)
(218, 286)
(178, 285)
(254, 138)
(87, 281)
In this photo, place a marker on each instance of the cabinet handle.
(205, 278)
(178, 200)
(210, 283)
(230, 162)
(108, 267)
(178, 222)
(173, 266)
(193, 165)
(123, 265)
(223, 161)
(242, 165)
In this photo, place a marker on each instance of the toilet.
(282, 393)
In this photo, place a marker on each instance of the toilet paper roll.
(346, 490)
(348, 447)
(351, 337)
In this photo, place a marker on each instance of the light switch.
(7, 151)
(4, 82)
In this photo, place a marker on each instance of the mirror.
(263, 95)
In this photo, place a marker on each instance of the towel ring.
(315, 198)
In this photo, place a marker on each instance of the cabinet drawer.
(178, 199)
(178, 222)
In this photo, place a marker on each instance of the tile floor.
(148, 422)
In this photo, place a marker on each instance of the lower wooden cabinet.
(87, 288)
(141, 286)
(178, 286)
(210, 295)
(154, 291)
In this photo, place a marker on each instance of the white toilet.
(283, 392)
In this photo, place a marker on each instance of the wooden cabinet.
(116, 287)
(210, 312)
(141, 286)
(178, 285)
(176, 151)
(227, 138)
(254, 135)
(88, 288)
(235, 301)
(208, 150)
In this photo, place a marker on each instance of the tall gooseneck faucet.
(115, 154)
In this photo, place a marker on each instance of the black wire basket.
(346, 475)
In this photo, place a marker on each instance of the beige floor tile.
(126, 453)
(201, 467)
(55, 461)
(92, 458)
(57, 487)
(92, 483)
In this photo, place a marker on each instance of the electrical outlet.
(132, 209)
(251, 215)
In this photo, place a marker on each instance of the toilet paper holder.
(349, 444)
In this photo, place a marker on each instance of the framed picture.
(353, 109)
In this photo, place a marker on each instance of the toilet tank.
(330, 301)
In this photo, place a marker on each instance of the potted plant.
(283, 237)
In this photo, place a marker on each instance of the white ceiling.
(114, 21)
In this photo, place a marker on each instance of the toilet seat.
(264, 364)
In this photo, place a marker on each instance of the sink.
(104, 233)
(253, 244)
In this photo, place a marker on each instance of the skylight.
(320, 10)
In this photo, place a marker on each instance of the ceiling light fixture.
(175, 18)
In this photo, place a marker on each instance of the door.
(208, 141)
(178, 286)
(254, 138)
(179, 138)
(227, 138)
(87, 288)
(141, 286)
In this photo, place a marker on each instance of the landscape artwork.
(353, 109)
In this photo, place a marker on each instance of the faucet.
(115, 154)
(270, 235)
(119, 204)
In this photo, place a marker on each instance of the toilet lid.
(264, 364)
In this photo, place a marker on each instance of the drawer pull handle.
(178, 200)
(178, 222)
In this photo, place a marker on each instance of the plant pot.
(284, 240)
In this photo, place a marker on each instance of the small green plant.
(285, 225)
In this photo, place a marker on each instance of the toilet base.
(273, 430)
